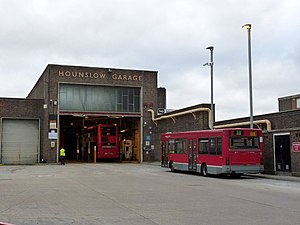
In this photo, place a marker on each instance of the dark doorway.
(282, 153)
(70, 129)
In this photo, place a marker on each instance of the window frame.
(209, 144)
(246, 146)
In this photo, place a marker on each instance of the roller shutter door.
(19, 141)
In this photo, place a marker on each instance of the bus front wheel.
(204, 169)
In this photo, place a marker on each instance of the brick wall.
(281, 122)
(161, 98)
(186, 122)
(295, 156)
(20, 108)
(288, 103)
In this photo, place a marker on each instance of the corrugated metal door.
(20, 141)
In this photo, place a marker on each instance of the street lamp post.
(211, 64)
(248, 27)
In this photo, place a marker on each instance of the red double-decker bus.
(233, 151)
(106, 140)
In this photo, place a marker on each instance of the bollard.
(95, 154)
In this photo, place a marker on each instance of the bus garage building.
(66, 101)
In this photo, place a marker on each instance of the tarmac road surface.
(141, 194)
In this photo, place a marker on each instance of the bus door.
(164, 154)
(192, 155)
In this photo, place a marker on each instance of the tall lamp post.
(211, 64)
(248, 28)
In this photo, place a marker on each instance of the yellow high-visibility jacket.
(62, 152)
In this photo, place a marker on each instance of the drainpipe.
(256, 122)
(192, 111)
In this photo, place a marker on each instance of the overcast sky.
(168, 36)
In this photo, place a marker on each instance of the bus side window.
(219, 146)
(212, 146)
(171, 146)
(178, 146)
(203, 146)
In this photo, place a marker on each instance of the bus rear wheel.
(172, 167)
(204, 169)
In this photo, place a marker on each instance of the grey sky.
(168, 36)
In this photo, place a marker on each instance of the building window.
(298, 103)
(94, 98)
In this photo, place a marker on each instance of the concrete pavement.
(260, 175)
(276, 177)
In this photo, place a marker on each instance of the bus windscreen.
(237, 143)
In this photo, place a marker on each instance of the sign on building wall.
(52, 121)
(53, 135)
(52, 124)
(296, 146)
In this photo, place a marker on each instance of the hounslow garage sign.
(99, 75)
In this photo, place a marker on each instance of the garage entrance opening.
(100, 138)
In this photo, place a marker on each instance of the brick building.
(66, 101)
(281, 131)
(191, 118)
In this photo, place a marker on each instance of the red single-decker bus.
(233, 151)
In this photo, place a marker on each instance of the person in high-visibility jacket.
(62, 156)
